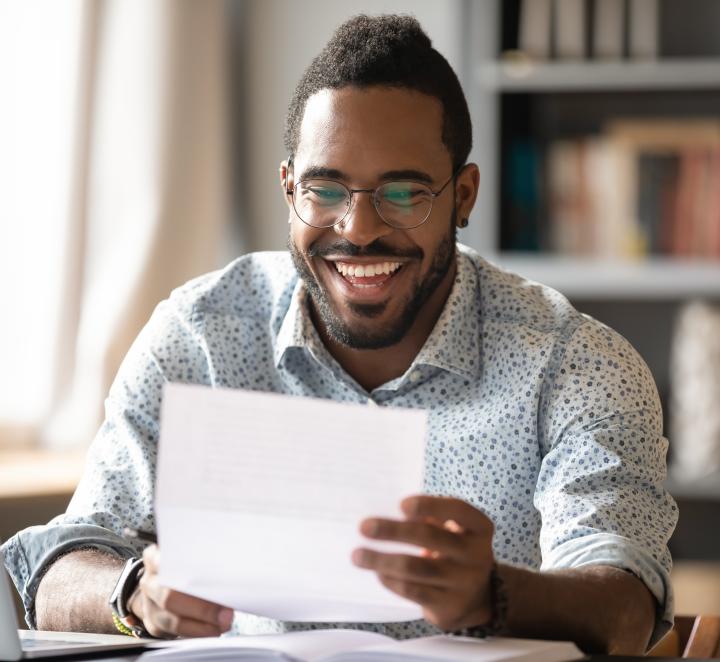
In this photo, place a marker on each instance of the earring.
(463, 223)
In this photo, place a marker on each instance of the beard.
(383, 335)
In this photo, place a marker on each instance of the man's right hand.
(167, 613)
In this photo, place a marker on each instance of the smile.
(367, 281)
(367, 270)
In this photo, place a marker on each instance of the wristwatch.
(124, 619)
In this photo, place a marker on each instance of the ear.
(466, 190)
(286, 181)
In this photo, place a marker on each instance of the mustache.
(344, 248)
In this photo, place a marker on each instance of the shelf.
(579, 76)
(586, 278)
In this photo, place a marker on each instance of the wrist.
(491, 617)
(124, 596)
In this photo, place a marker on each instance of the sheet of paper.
(304, 645)
(259, 498)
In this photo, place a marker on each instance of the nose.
(363, 224)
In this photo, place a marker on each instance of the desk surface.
(131, 656)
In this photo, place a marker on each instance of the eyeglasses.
(322, 203)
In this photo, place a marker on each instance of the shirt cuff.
(619, 552)
(29, 553)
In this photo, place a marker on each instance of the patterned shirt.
(543, 418)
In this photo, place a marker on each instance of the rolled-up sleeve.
(117, 486)
(599, 489)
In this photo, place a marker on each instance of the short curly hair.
(390, 50)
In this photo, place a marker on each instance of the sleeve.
(117, 486)
(599, 489)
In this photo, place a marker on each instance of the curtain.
(140, 204)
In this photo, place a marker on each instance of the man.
(545, 439)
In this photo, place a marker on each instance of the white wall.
(282, 37)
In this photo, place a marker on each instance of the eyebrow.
(320, 172)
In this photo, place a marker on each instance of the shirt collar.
(297, 329)
(454, 343)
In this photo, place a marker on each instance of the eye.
(403, 194)
(325, 195)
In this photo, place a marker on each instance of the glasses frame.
(352, 191)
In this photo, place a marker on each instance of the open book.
(356, 646)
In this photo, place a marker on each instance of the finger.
(427, 596)
(162, 623)
(186, 606)
(423, 534)
(151, 558)
(431, 572)
(447, 508)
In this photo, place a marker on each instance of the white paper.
(357, 646)
(259, 499)
(304, 645)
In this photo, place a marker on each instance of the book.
(608, 29)
(639, 187)
(534, 28)
(521, 232)
(570, 26)
(357, 646)
(644, 29)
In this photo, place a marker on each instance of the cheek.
(301, 235)
(303, 238)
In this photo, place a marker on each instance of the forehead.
(365, 130)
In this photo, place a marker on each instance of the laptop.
(28, 644)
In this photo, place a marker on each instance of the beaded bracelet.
(124, 629)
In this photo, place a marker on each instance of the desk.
(130, 657)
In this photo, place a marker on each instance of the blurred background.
(139, 147)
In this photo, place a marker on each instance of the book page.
(306, 646)
(443, 648)
(260, 496)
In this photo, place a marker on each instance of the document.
(259, 498)
(358, 646)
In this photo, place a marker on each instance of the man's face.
(364, 138)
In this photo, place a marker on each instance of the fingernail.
(225, 618)
(358, 557)
(370, 527)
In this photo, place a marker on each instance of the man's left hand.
(450, 578)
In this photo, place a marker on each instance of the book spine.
(644, 29)
(569, 22)
(608, 24)
(535, 27)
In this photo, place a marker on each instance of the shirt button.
(415, 376)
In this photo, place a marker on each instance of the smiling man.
(544, 513)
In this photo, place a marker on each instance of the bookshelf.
(670, 87)
(638, 296)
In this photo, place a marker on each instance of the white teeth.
(366, 270)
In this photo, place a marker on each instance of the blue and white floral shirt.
(541, 417)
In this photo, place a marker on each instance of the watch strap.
(125, 621)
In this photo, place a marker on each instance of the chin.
(365, 327)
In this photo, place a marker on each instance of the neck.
(373, 367)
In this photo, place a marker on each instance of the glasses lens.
(320, 202)
(404, 204)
